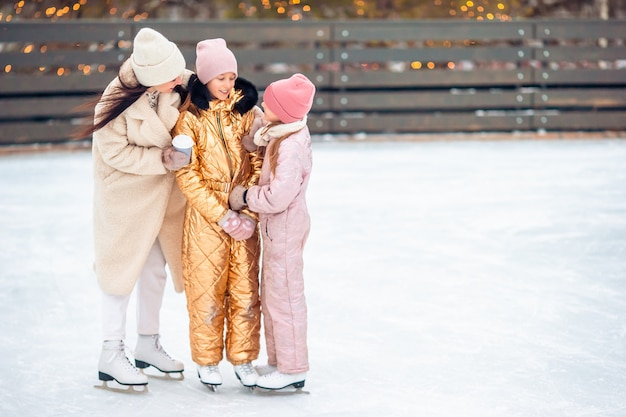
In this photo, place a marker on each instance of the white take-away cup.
(183, 143)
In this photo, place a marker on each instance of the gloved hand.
(173, 160)
(246, 227)
(236, 198)
(238, 226)
(230, 221)
(248, 140)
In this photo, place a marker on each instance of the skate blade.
(173, 376)
(248, 387)
(123, 389)
(168, 376)
(211, 387)
(283, 391)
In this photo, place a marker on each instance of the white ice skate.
(246, 374)
(210, 376)
(114, 365)
(149, 352)
(277, 381)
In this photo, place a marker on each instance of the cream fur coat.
(136, 200)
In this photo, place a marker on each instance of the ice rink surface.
(443, 279)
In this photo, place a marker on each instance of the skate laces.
(245, 368)
(159, 347)
(123, 358)
(210, 369)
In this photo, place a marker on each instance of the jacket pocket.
(265, 224)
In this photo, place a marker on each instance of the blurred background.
(319, 9)
(381, 67)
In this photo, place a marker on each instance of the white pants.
(150, 288)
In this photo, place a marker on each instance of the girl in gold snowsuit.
(221, 247)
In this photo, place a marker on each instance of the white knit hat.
(155, 60)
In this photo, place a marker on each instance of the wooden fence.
(372, 76)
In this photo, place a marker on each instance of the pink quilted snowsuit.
(284, 221)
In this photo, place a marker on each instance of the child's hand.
(245, 230)
(235, 199)
(230, 221)
(173, 160)
(238, 226)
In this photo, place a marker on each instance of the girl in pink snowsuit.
(279, 199)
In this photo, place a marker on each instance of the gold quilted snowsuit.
(221, 275)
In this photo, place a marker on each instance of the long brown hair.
(114, 104)
(271, 151)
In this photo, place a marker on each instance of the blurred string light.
(69, 10)
(293, 9)
(360, 7)
(477, 9)
(40, 9)
(460, 9)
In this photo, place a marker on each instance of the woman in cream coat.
(138, 207)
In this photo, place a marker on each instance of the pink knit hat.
(290, 99)
(214, 58)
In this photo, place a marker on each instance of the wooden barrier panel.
(434, 122)
(580, 120)
(429, 101)
(580, 98)
(357, 80)
(371, 75)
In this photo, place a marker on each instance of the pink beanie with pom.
(290, 99)
(214, 58)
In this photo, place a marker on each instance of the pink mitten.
(230, 222)
(245, 230)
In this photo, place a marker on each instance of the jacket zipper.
(230, 162)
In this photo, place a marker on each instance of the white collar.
(263, 136)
